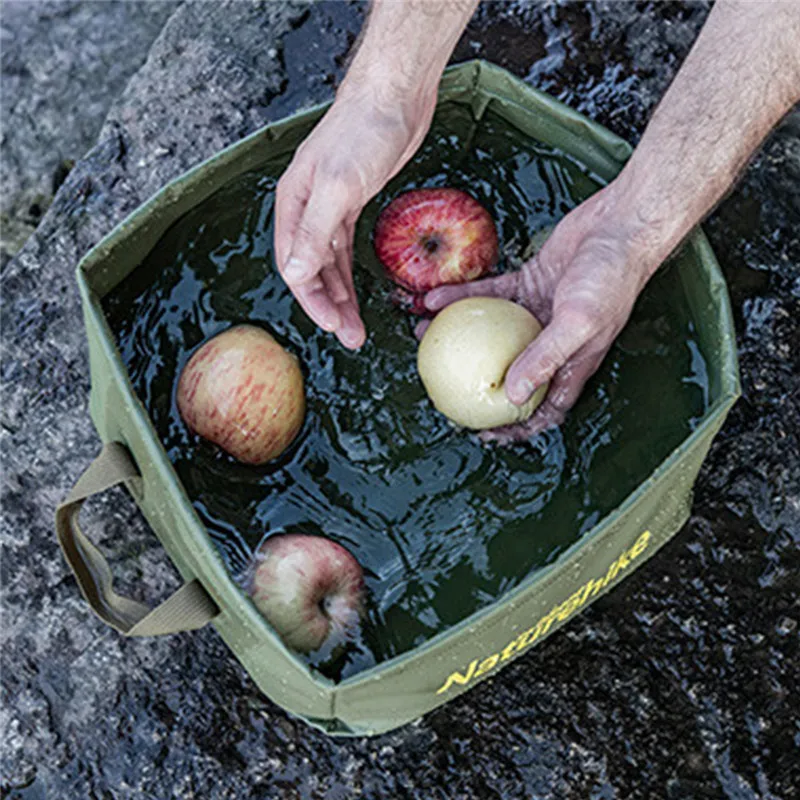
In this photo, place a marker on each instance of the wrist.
(381, 89)
(649, 223)
(403, 51)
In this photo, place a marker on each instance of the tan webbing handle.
(189, 608)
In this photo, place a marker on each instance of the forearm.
(404, 48)
(741, 77)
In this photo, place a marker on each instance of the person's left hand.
(363, 140)
(581, 286)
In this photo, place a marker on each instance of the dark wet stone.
(680, 684)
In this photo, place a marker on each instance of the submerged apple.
(430, 237)
(244, 392)
(464, 356)
(309, 588)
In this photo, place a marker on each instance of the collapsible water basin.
(472, 554)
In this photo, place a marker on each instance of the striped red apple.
(430, 237)
(244, 392)
(309, 588)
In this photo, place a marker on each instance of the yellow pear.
(464, 357)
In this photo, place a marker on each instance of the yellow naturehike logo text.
(559, 613)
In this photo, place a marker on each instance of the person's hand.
(361, 142)
(581, 286)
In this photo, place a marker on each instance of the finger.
(504, 286)
(568, 383)
(334, 283)
(351, 332)
(342, 243)
(545, 418)
(291, 196)
(316, 302)
(564, 391)
(421, 327)
(311, 248)
(544, 356)
(507, 434)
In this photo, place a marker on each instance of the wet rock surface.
(681, 683)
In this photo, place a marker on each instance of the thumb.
(545, 355)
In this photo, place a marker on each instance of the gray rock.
(678, 684)
(62, 64)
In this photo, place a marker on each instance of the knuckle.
(543, 365)
(581, 324)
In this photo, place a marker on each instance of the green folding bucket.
(406, 686)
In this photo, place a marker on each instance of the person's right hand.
(361, 143)
(581, 286)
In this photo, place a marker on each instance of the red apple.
(429, 237)
(309, 588)
(244, 392)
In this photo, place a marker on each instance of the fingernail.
(523, 390)
(351, 339)
(295, 270)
